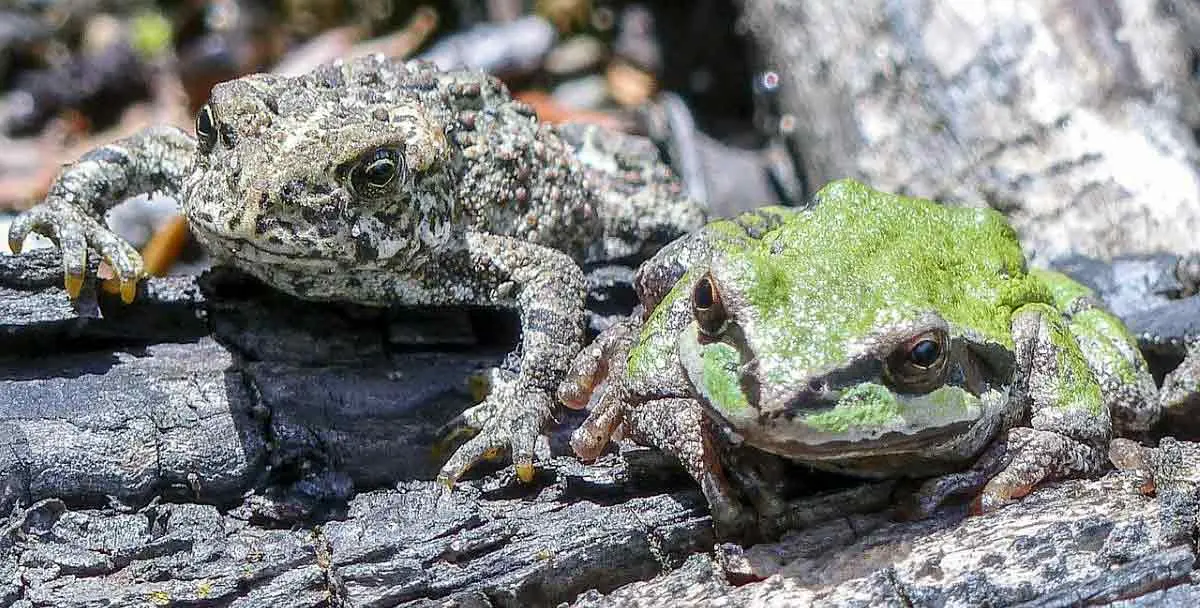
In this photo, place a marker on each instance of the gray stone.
(1073, 118)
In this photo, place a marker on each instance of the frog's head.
(345, 164)
(879, 350)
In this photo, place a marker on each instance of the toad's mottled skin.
(870, 334)
(383, 182)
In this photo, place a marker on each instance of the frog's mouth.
(846, 414)
(871, 420)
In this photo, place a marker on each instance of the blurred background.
(75, 74)
(1078, 119)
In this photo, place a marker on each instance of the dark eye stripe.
(206, 128)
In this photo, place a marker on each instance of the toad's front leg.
(153, 160)
(546, 288)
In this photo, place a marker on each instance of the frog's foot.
(1035, 456)
(510, 419)
(74, 231)
(585, 382)
(602, 424)
(757, 475)
(921, 503)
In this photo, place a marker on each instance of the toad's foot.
(75, 231)
(510, 419)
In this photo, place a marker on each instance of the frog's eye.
(206, 128)
(925, 353)
(707, 306)
(918, 364)
(376, 170)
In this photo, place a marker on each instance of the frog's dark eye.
(918, 364)
(376, 170)
(707, 306)
(925, 353)
(206, 128)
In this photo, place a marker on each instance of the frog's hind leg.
(1068, 425)
(1112, 353)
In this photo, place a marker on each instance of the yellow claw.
(128, 290)
(73, 284)
(447, 481)
(15, 245)
(525, 472)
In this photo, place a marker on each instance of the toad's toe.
(512, 421)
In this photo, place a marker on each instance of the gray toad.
(383, 182)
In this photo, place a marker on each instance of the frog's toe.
(1037, 456)
(483, 446)
(508, 421)
(590, 439)
(73, 245)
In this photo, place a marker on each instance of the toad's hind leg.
(154, 160)
(1069, 426)
(641, 202)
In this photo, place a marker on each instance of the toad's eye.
(707, 306)
(206, 128)
(918, 364)
(376, 170)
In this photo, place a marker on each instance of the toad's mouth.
(227, 246)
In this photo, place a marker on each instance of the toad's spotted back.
(383, 182)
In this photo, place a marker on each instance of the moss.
(1077, 387)
(860, 260)
(722, 383)
(1107, 339)
(864, 406)
(1064, 290)
(655, 346)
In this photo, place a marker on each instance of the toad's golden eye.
(707, 306)
(206, 128)
(376, 170)
(919, 363)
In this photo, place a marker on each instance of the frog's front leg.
(600, 366)
(153, 160)
(546, 287)
(1068, 425)
(674, 425)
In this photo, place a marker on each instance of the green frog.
(869, 334)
